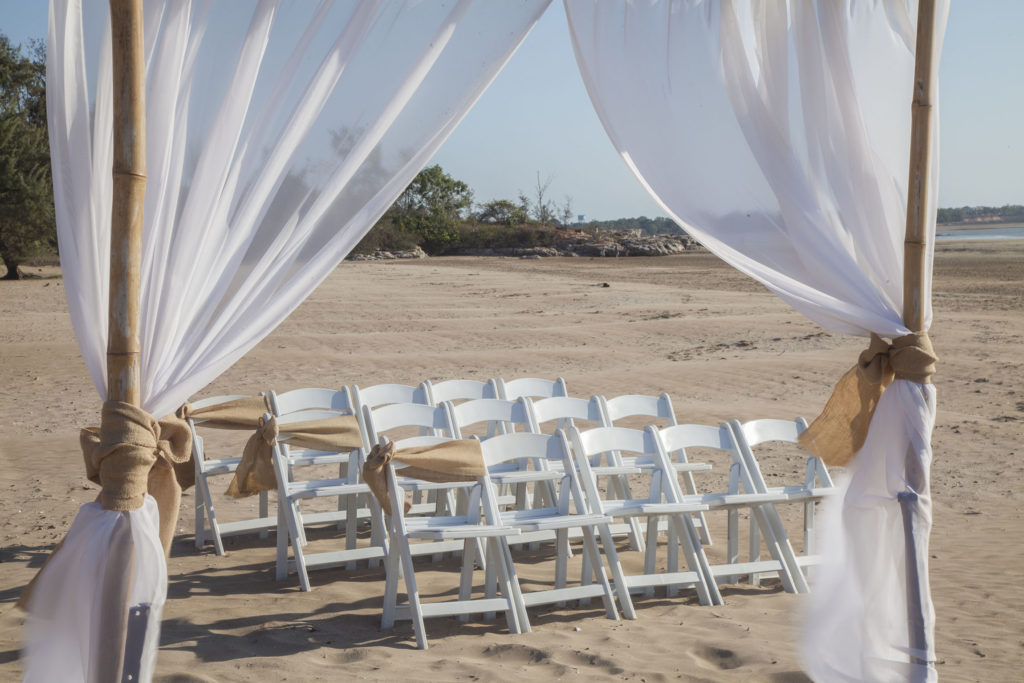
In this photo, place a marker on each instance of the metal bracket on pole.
(135, 642)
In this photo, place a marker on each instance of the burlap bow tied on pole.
(457, 460)
(132, 454)
(839, 432)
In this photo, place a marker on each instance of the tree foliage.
(503, 212)
(27, 225)
(431, 208)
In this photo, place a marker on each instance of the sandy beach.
(720, 344)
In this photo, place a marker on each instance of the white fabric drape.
(778, 134)
(277, 134)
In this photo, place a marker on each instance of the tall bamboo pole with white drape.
(915, 255)
(123, 376)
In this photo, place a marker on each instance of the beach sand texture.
(720, 344)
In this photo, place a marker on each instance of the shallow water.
(1006, 233)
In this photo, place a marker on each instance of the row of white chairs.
(567, 502)
(347, 401)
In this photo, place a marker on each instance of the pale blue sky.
(536, 117)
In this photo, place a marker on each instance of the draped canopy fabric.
(278, 132)
(778, 134)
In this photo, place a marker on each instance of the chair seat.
(437, 528)
(310, 457)
(322, 488)
(722, 500)
(525, 476)
(639, 508)
(548, 519)
(803, 492)
(222, 466)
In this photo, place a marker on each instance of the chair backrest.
(638, 405)
(500, 416)
(504, 448)
(383, 394)
(336, 400)
(764, 431)
(459, 390)
(589, 445)
(565, 410)
(679, 438)
(531, 387)
(396, 416)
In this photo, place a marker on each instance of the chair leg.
(282, 543)
(590, 548)
(466, 578)
(809, 527)
(200, 516)
(516, 617)
(264, 511)
(378, 534)
(294, 524)
(392, 564)
(696, 560)
(491, 572)
(733, 542)
(621, 585)
(755, 550)
(651, 552)
(415, 609)
(781, 551)
(351, 507)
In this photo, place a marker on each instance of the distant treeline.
(982, 214)
(647, 226)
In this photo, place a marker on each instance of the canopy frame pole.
(915, 252)
(123, 363)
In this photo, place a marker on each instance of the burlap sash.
(255, 472)
(459, 460)
(239, 413)
(842, 427)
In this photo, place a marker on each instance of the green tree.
(502, 212)
(431, 208)
(27, 225)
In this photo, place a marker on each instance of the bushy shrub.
(386, 236)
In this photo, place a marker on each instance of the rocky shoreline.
(567, 243)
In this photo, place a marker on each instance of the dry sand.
(720, 344)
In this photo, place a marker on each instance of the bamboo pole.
(915, 252)
(123, 376)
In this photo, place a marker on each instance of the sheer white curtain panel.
(278, 132)
(778, 135)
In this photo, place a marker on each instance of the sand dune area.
(719, 343)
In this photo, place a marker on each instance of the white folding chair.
(433, 425)
(660, 408)
(290, 494)
(459, 390)
(568, 512)
(465, 531)
(496, 416)
(531, 387)
(816, 484)
(206, 525)
(759, 501)
(559, 412)
(350, 508)
(664, 498)
(387, 394)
